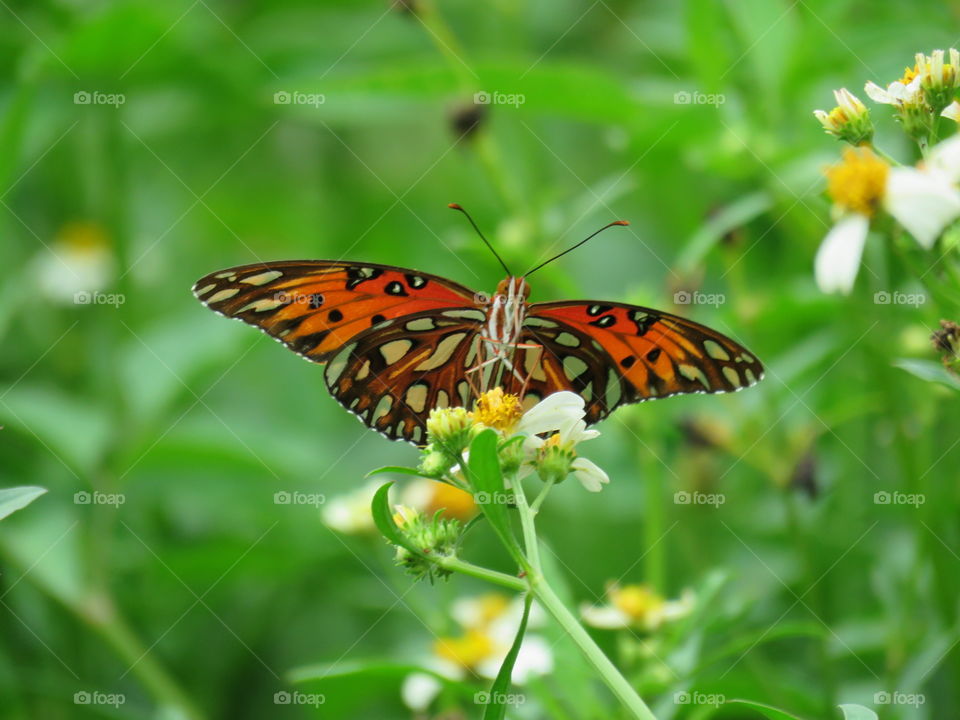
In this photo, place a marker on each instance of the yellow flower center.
(498, 410)
(909, 73)
(467, 651)
(83, 236)
(838, 116)
(455, 503)
(859, 182)
(635, 601)
(404, 515)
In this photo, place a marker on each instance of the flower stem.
(541, 589)
(461, 566)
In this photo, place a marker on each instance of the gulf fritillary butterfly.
(398, 342)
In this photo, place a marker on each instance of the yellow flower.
(859, 182)
(498, 410)
(429, 496)
(849, 120)
(636, 606)
(467, 651)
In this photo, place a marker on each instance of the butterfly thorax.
(507, 310)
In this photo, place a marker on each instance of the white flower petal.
(923, 203)
(952, 111)
(605, 617)
(419, 690)
(943, 160)
(878, 94)
(551, 412)
(589, 475)
(838, 258)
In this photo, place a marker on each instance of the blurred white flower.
(636, 606)
(79, 261)
(350, 513)
(490, 623)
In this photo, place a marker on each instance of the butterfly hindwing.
(612, 354)
(394, 375)
(314, 307)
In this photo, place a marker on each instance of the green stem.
(498, 578)
(541, 589)
(601, 663)
(538, 501)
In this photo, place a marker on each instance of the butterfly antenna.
(454, 206)
(623, 223)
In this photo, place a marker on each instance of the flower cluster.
(434, 536)
(865, 184)
(543, 439)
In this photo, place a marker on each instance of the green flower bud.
(436, 538)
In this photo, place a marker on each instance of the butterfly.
(397, 342)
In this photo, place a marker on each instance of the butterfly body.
(397, 343)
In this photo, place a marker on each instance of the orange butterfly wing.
(613, 354)
(314, 307)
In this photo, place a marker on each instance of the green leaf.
(767, 710)
(929, 371)
(383, 518)
(857, 712)
(13, 499)
(497, 706)
(487, 482)
(395, 470)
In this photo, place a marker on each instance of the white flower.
(490, 623)
(589, 475)
(636, 606)
(849, 120)
(78, 264)
(923, 200)
(350, 514)
(551, 413)
(907, 91)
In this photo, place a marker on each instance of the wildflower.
(938, 78)
(556, 456)
(909, 102)
(350, 514)
(450, 429)
(849, 120)
(636, 606)
(924, 201)
(431, 496)
(78, 264)
(489, 625)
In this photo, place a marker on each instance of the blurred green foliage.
(198, 591)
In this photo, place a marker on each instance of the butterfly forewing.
(316, 306)
(612, 354)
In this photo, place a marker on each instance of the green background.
(811, 593)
